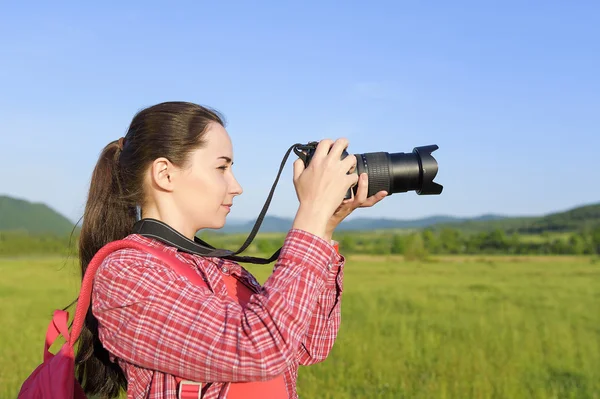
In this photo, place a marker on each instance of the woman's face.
(206, 185)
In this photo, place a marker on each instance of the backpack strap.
(83, 303)
(186, 389)
(58, 326)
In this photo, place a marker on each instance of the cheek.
(198, 185)
(218, 184)
(207, 187)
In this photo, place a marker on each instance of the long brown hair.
(171, 130)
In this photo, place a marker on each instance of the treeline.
(414, 244)
(446, 241)
(449, 241)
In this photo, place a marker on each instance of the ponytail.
(107, 217)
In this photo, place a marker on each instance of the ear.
(162, 174)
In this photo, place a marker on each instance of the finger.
(322, 149)
(372, 200)
(349, 163)
(338, 147)
(298, 168)
(353, 180)
(363, 189)
(346, 207)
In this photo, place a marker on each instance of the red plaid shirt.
(157, 325)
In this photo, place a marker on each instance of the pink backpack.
(55, 377)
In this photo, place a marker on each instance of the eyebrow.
(226, 159)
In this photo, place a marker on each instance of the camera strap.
(158, 230)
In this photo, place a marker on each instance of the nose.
(236, 188)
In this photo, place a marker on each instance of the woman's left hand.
(349, 205)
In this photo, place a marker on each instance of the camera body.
(394, 173)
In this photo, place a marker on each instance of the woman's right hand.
(322, 186)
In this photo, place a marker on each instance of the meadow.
(450, 327)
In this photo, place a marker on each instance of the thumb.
(298, 168)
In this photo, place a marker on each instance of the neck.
(175, 221)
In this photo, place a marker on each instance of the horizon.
(509, 93)
(236, 221)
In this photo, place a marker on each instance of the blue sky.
(510, 91)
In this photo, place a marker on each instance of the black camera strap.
(156, 229)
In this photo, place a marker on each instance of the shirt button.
(329, 266)
(225, 269)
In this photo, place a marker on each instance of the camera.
(395, 173)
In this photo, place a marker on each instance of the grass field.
(453, 327)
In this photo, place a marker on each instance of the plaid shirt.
(157, 325)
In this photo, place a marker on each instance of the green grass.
(454, 327)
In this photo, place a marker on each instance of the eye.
(223, 167)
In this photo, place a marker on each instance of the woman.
(149, 327)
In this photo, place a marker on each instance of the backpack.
(55, 377)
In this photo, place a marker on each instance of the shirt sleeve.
(154, 318)
(325, 321)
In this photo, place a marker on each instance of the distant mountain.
(270, 224)
(34, 218)
(570, 220)
(274, 224)
(383, 223)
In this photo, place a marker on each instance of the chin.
(212, 226)
(218, 225)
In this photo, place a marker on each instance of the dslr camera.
(395, 173)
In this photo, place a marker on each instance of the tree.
(595, 235)
(514, 243)
(577, 244)
(415, 248)
(495, 241)
(397, 244)
(430, 241)
(347, 243)
(450, 241)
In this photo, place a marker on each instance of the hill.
(571, 220)
(33, 218)
(275, 224)
(574, 219)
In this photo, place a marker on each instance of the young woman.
(149, 327)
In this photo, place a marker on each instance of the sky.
(509, 91)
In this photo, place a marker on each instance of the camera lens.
(400, 172)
